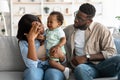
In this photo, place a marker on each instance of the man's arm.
(96, 57)
(83, 59)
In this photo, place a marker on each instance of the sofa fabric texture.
(10, 58)
(12, 65)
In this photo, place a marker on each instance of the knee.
(80, 68)
(33, 74)
(116, 59)
(53, 74)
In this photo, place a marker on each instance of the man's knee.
(116, 59)
(53, 74)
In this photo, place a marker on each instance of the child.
(55, 40)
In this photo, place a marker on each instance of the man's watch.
(88, 57)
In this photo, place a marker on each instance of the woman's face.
(39, 27)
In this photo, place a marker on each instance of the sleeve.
(107, 43)
(61, 33)
(24, 51)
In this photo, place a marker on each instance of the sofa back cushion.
(10, 57)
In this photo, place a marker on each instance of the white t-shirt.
(79, 42)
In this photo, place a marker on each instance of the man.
(90, 47)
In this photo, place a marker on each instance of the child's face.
(52, 22)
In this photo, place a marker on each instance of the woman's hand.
(34, 31)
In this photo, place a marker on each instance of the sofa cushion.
(10, 58)
(108, 78)
(117, 44)
(11, 75)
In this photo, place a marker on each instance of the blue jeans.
(40, 74)
(107, 68)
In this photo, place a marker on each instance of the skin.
(31, 36)
(83, 25)
(52, 24)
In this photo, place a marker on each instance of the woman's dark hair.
(25, 24)
(59, 15)
(88, 9)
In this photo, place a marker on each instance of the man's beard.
(82, 27)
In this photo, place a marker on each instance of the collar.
(91, 26)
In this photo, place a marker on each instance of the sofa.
(11, 63)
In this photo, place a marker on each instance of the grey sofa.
(11, 63)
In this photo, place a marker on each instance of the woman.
(31, 35)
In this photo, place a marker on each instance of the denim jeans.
(40, 74)
(107, 68)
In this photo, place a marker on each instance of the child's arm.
(56, 51)
(62, 42)
(58, 54)
(59, 45)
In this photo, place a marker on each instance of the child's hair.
(25, 24)
(59, 15)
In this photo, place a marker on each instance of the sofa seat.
(11, 75)
(12, 65)
(109, 78)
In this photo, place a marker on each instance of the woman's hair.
(59, 15)
(25, 24)
(88, 9)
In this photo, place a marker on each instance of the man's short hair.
(88, 9)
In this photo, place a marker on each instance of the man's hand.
(55, 49)
(79, 60)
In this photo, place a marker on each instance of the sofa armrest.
(117, 44)
(10, 57)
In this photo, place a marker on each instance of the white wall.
(111, 9)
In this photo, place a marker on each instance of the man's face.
(81, 20)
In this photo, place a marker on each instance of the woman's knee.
(33, 74)
(53, 74)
